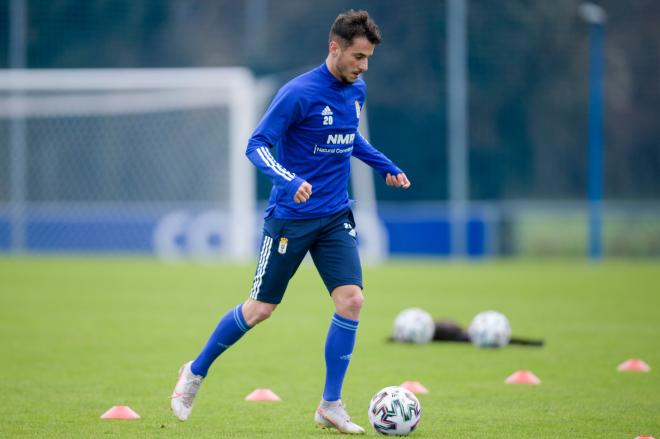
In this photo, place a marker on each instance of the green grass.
(78, 336)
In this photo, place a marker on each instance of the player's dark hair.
(351, 24)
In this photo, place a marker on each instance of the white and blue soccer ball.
(489, 329)
(413, 325)
(394, 411)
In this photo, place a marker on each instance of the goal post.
(374, 240)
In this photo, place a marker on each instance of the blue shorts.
(331, 240)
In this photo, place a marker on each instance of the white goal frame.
(234, 87)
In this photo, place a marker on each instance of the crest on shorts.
(284, 242)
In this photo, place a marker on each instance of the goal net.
(128, 160)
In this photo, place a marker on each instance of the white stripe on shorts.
(261, 268)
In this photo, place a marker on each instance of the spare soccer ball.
(394, 411)
(413, 325)
(489, 329)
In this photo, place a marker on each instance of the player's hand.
(303, 193)
(398, 180)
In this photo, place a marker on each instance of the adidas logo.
(326, 111)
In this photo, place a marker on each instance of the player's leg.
(274, 269)
(336, 257)
(233, 325)
(231, 328)
(277, 264)
(338, 350)
(340, 340)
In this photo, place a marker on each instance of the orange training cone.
(523, 377)
(262, 395)
(120, 412)
(415, 387)
(634, 365)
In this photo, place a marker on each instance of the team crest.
(284, 242)
(357, 108)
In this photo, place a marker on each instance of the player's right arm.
(303, 193)
(285, 110)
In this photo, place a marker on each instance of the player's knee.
(256, 312)
(355, 301)
(261, 315)
(348, 301)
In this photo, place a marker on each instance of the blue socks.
(229, 330)
(338, 349)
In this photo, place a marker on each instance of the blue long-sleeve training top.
(313, 124)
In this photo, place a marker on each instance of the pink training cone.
(415, 387)
(262, 395)
(120, 412)
(644, 437)
(523, 377)
(634, 365)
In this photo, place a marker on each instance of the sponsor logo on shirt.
(326, 150)
(340, 139)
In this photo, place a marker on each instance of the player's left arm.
(364, 151)
(398, 180)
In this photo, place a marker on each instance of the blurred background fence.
(527, 110)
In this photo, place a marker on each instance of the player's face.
(348, 63)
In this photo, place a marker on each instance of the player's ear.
(334, 47)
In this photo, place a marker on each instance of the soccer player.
(313, 124)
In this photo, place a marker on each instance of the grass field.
(78, 336)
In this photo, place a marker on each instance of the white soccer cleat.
(332, 414)
(321, 422)
(184, 393)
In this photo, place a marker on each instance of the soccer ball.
(489, 329)
(394, 411)
(413, 325)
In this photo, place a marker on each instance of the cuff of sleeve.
(293, 186)
(393, 171)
